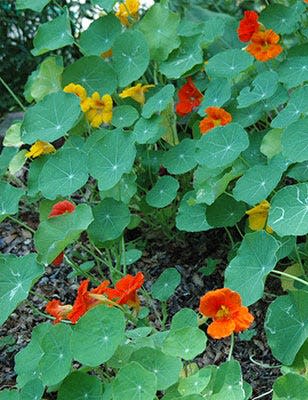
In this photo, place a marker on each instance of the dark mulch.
(187, 254)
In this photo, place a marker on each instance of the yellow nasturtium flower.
(39, 148)
(128, 10)
(81, 92)
(257, 217)
(100, 110)
(136, 92)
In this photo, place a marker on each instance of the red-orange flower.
(216, 116)
(125, 291)
(58, 310)
(248, 26)
(224, 306)
(84, 301)
(189, 98)
(60, 208)
(264, 45)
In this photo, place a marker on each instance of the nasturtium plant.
(183, 124)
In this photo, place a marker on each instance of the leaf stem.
(24, 225)
(295, 278)
(123, 255)
(12, 94)
(231, 347)
(230, 237)
(76, 268)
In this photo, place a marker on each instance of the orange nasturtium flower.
(264, 45)
(81, 92)
(58, 310)
(189, 98)
(136, 92)
(248, 26)
(60, 208)
(224, 306)
(84, 301)
(39, 148)
(128, 10)
(125, 291)
(257, 217)
(216, 117)
(100, 110)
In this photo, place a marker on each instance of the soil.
(188, 254)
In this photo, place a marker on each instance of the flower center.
(223, 312)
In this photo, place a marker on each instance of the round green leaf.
(33, 390)
(7, 394)
(148, 130)
(35, 5)
(9, 199)
(218, 93)
(225, 211)
(131, 256)
(164, 23)
(228, 64)
(134, 382)
(63, 174)
(247, 116)
(290, 386)
(166, 284)
(257, 183)
(166, 368)
(93, 73)
(280, 18)
(54, 234)
(17, 162)
(299, 171)
(53, 35)
(123, 191)
(227, 382)
(100, 35)
(180, 158)
(51, 118)
(183, 59)
(45, 80)
(12, 136)
(80, 386)
(293, 71)
(286, 325)
(263, 87)
(297, 105)
(195, 383)
(163, 192)
(107, 332)
(294, 141)
(184, 318)
(191, 216)
(124, 116)
(289, 210)
(17, 276)
(111, 157)
(27, 360)
(255, 259)
(130, 55)
(221, 145)
(107, 5)
(56, 360)
(110, 219)
(186, 343)
(158, 102)
(271, 143)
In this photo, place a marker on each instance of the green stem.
(231, 347)
(76, 268)
(21, 224)
(230, 237)
(239, 231)
(164, 311)
(299, 258)
(123, 255)
(295, 278)
(39, 295)
(12, 94)
(38, 312)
